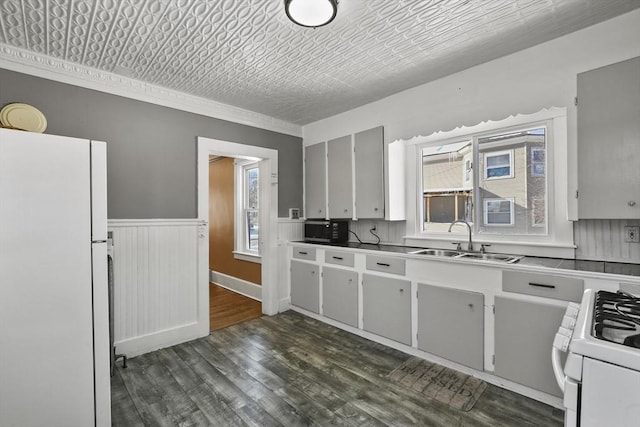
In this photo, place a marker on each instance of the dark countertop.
(560, 263)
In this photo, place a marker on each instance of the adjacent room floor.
(291, 370)
(228, 308)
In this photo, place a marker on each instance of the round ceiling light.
(311, 13)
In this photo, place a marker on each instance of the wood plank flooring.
(291, 370)
(228, 308)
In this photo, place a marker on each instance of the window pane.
(519, 156)
(253, 222)
(447, 184)
(252, 188)
(499, 160)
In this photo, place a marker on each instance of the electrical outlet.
(632, 234)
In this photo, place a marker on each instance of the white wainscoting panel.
(155, 283)
(602, 239)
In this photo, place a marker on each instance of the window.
(251, 207)
(247, 210)
(505, 194)
(498, 165)
(498, 212)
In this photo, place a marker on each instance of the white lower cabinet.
(524, 332)
(305, 286)
(340, 295)
(451, 324)
(387, 307)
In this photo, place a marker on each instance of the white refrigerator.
(54, 309)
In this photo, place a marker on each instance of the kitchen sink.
(437, 252)
(507, 259)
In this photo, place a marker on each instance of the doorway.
(234, 254)
(268, 168)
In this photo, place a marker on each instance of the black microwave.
(326, 231)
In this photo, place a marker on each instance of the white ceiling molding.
(35, 64)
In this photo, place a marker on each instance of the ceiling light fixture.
(311, 13)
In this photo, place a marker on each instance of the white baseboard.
(285, 304)
(155, 341)
(234, 284)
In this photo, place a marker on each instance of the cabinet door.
(315, 169)
(387, 307)
(340, 295)
(609, 141)
(369, 173)
(305, 286)
(524, 333)
(451, 324)
(340, 177)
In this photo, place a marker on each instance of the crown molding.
(36, 64)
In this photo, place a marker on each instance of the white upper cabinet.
(609, 141)
(369, 173)
(344, 178)
(340, 177)
(315, 175)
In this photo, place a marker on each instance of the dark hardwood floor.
(290, 370)
(228, 308)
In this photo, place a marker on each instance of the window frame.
(242, 250)
(558, 241)
(486, 212)
(486, 167)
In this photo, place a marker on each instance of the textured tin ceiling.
(247, 54)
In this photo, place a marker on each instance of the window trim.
(559, 238)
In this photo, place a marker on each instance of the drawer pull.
(302, 253)
(339, 258)
(541, 285)
(383, 264)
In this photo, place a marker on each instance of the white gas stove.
(601, 377)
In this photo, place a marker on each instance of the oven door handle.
(558, 371)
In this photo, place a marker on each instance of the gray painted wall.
(151, 150)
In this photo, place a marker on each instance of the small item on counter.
(23, 117)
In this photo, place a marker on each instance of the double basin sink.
(445, 253)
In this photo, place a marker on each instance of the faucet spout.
(470, 245)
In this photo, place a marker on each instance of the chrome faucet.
(470, 246)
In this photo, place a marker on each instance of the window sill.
(247, 256)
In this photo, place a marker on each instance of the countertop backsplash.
(603, 240)
(596, 239)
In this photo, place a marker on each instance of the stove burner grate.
(617, 318)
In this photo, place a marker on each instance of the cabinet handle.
(383, 264)
(339, 258)
(375, 209)
(302, 253)
(471, 306)
(541, 285)
(631, 203)
(401, 291)
(346, 210)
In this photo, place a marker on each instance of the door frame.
(268, 219)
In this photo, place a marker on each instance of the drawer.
(340, 258)
(543, 285)
(304, 253)
(386, 264)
